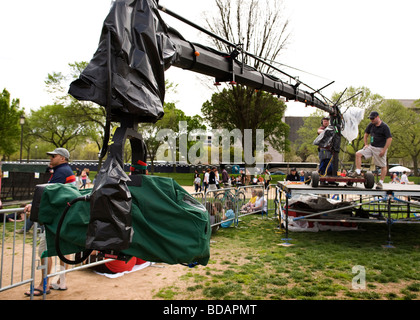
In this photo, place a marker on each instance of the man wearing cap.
(324, 154)
(376, 147)
(62, 173)
(293, 176)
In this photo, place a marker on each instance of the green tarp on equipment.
(169, 225)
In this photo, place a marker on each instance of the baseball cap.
(373, 115)
(61, 151)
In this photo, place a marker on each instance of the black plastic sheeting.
(141, 51)
(110, 226)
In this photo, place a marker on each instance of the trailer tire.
(315, 179)
(369, 180)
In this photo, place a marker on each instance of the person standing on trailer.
(324, 154)
(376, 147)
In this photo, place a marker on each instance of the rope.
(326, 169)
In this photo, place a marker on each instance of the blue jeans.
(323, 166)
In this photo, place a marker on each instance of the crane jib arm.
(197, 58)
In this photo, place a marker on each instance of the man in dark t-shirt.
(212, 179)
(376, 146)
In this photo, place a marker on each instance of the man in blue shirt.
(62, 173)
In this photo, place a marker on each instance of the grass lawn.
(186, 179)
(248, 263)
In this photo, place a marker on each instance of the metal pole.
(33, 263)
(310, 215)
(287, 221)
(21, 141)
(389, 245)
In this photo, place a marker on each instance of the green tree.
(304, 146)
(405, 129)
(169, 121)
(417, 103)
(29, 141)
(259, 29)
(10, 113)
(55, 125)
(90, 115)
(244, 109)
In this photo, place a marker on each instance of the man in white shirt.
(404, 178)
(206, 180)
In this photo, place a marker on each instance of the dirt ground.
(88, 285)
(85, 284)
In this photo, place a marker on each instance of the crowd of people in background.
(210, 179)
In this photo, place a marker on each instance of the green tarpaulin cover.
(169, 225)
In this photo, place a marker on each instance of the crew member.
(376, 147)
(61, 173)
(324, 153)
(293, 175)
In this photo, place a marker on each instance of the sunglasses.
(372, 118)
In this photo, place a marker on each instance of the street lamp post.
(22, 122)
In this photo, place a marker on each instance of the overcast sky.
(372, 43)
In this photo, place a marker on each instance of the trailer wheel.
(369, 180)
(315, 179)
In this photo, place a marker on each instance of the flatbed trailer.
(389, 197)
(368, 180)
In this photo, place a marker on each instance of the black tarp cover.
(110, 226)
(141, 51)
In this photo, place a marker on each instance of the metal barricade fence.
(19, 256)
(17, 266)
(238, 199)
(251, 193)
(219, 201)
(273, 199)
(199, 196)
